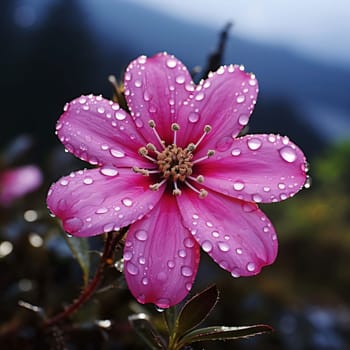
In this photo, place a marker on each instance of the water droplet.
(171, 264)
(224, 144)
(189, 242)
(73, 225)
(82, 100)
(195, 216)
(127, 202)
(221, 70)
(266, 189)
(142, 59)
(186, 271)
(238, 185)
(257, 198)
(108, 227)
(188, 286)
(209, 224)
(138, 83)
(224, 247)
(64, 182)
(101, 211)
(239, 251)
(109, 171)
(139, 123)
(215, 234)
(200, 96)
(235, 273)
(88, 181)
(119, 115)
(145, 281)
(281, 186)
(254, 144)
(288, 154)
(171, 63)
(127, 255)
(240, 99)
(251, 267)
(180, 79)
(271, 138)
(127, 76)
(132, 268)
(308, 182)
(193, 117)
(100, 110)
(236, 152)
(182, 253)
(266, 229)
(243, 119)
(141, 235)
(207, 246)
(162, 304)
(117, 154)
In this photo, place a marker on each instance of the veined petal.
(98, 131)
(225, 101)
(90, 202)
(160, 256)
(256, 168)
(155, 87)
(236, 234)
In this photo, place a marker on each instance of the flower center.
(175, 164)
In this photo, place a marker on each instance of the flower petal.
(90, 202)
(160, 256)
(236, 234)
(225, 101)
(17, 182)
(98, 131)
(258, 168)
(155, 87)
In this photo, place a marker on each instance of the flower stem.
(106, 259)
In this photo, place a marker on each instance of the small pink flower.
(17, 182)
(177, 172)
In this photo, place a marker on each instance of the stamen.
(152, 124)
(206, 131)
(176, 190)
(156, 186)
(144, 153)
(191, 147)
(210, 153)
(143, 172)
(175, 127)
(152, 147)
(202, 192)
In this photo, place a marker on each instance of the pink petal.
(225, 101)
(236, 234)
(17, 182)
(160, 256)
(90, 202)
(155, 87)
(98, 131)
(258, 168)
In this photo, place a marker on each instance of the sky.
(317, 28)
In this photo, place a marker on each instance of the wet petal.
(160, 256)
(90, 202)
(17, 182)
(98, 131)
(225, 101)
(155, 87)
(258, 168)
(236, 234)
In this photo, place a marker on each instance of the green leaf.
(170, 318)
(143, 327)
(80, 249)
(222, 333)
(196, 310)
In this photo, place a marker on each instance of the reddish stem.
(109, 246)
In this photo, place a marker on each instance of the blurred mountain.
(79, 43)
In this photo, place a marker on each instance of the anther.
(143, 172)
(203, 193)
(176, 190)
(175, 127)
(144, 153)
(156, 186)
(210, 153)
(152, 124)
(191, 147)
(151, 147)
(206, 130)
(200, 179)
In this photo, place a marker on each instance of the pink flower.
(176, 171)
(17, 182)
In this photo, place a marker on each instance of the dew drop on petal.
(171, 264)
(127, 255)
(88, 181)
(145, 281)
(127, 202)
(162, 304)
(119, 116)
(64, 182)
(116, 153)
(215, 234)
(236, 152)
(254, 144)
(207, 246)
(243, 119)
(308, 182)
(180, 79)
(239, 251)
(100, 110)
(200, 96)
(288, 154)
(141, 235)
(209, 224)
(235, 273)
(238, 185)
(171, 63)
(257, 198)
(186, 271)
(193, 117)
(188, 286)
(251, 266)
(109, 171)
(132, 268)
(240, 99)
(189, 242)
(182, 253)
(224, 247)
(101, 210)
